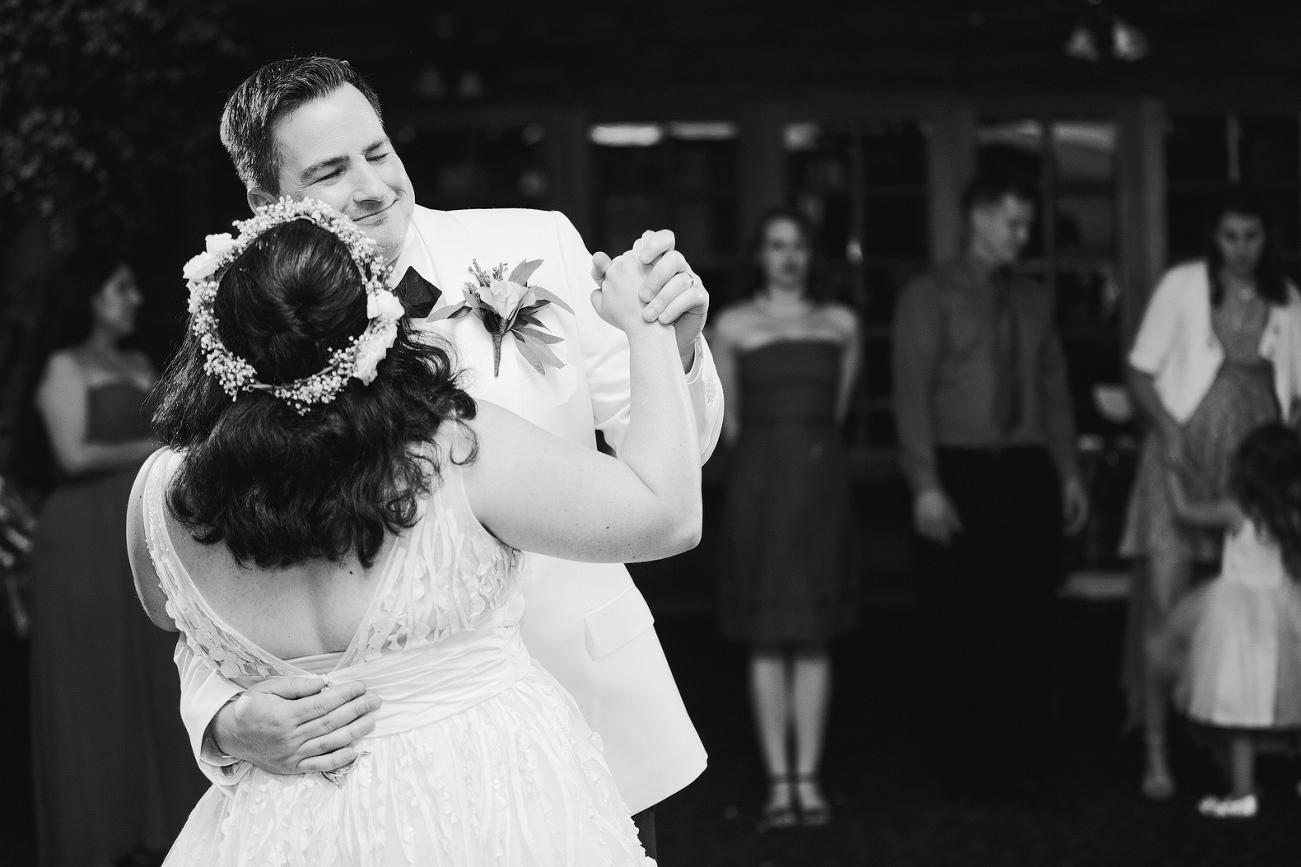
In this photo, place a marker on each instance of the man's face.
(334, 149)
(1000, 230)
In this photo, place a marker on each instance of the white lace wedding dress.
(478, 757)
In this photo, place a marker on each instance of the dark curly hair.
(1266, 482)
(278, 487)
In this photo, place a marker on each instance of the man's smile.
(374, 214)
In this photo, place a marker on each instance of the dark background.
(869, 116)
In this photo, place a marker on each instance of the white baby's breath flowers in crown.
(359, 357)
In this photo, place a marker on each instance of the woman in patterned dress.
(1217, 355)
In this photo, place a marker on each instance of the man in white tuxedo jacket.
(311, 127)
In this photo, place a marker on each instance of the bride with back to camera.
(330, 502)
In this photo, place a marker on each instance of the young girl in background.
(1233, 647)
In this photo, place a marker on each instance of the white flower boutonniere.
(508, 305)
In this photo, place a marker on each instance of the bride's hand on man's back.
(617, 299)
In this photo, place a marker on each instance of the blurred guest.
(1218, 353)
(787, 361)
(104, 698)
(1232, 647)
(987, 439)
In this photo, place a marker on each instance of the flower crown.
(358, 358)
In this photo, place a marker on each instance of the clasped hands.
(672, 293)
(298, 725)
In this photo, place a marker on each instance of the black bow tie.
(417, 294)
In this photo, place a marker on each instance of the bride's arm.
(541, 493)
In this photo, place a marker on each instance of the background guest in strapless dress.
(1218, 354)
(787, 363)
(113, 771)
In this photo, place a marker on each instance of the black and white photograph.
(691, 434)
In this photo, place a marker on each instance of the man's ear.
(258, 197)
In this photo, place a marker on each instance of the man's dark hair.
(269, 93)
(990, 188)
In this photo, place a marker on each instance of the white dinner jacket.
(585, 623)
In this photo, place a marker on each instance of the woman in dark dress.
(787, 363)
(114, 776)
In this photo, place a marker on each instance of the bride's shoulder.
(147, 583)
(163, 454)
(495, 437)
(490, 420)
(135, 508)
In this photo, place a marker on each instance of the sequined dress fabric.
(479, 757)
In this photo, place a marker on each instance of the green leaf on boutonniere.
(506, 305)
(536, 353)
(523, 271)
(552, 297)
(540, 335)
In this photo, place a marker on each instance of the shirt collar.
(968, 273)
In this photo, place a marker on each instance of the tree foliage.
(96, 96)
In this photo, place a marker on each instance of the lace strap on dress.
(160, 549)
(447, 572)
(226, 650)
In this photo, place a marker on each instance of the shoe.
(780, 814)
(1229, 807)
(817, 815)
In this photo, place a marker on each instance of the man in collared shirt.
(987, 438)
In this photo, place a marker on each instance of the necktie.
(417, 294)
(1007, 368)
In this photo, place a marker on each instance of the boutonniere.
(508, 305)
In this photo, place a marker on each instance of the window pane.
(1285, 209)
(1187, 212)
(1084, 151)
(623, 170)
(895, 227)
(876, 368)
(1271, 151)
(1011, 147)
(477, 168)
(675, 175)
(894, 152)
(1087, 297)
(885, 280)
(703, 166)
(863, 183)
(880, 428)
(1197, 149)
(624, 218)
(1086, 225)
